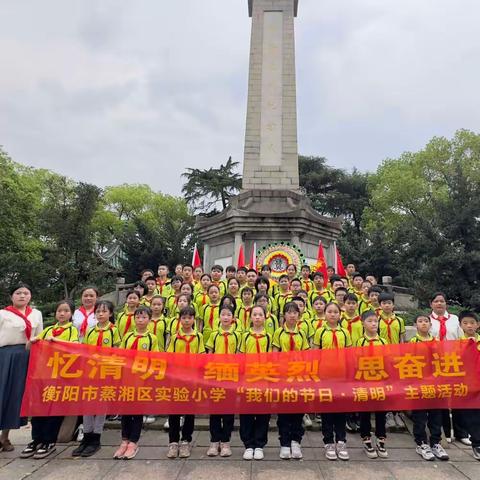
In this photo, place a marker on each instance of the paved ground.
(403, 464)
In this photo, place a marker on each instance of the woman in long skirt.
(19, 323)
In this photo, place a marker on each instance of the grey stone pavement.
(151, 463)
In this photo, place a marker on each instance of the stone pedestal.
(265, 216)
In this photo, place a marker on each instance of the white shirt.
(12, 327)
(78, 318)
(454, 332)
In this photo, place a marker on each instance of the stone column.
(271, 155)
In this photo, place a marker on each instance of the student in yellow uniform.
(216, 273)
(391, 326)
(271, 321)
(163, 283)
(318, 289)
(242, 277)
(224, 340)
(186, 341)
(290, 338)
(371, 303)
(230, 302)
(158, 324)
(254, 428)
(211, 311)
(266, 272)
(176, 285)
(151, 291)
(363, 298)
(143, 340)
(318, 309)
(369, 338)
(104, 334)
(187, 275)
(244, 308)
(173, 323)
(200, 297)
(357, 281)
(45, 429)
(262, 285)
(350, 319)
(304, 319)
(230, 272)
(197, 276)
(339, 297)
(469, 325)
(428, 450)
(283, 295)
(233, 289)
(251, 279)
(125, 319)
(305, 274)
(332, 335)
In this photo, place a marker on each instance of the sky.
(117, 91)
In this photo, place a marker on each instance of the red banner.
(72, 379)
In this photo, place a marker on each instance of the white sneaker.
(166, 425)
(148, 419)
(285, 453)
(425, 452)
(213, 449)
(258, 454)
(399, 420)
(307, 421)
(296, 450)
(370, 452)
(390, 420)
(439, 452)
(248, 454)
(465, 441)
(342, 451)
(80, 433)
(330, 451)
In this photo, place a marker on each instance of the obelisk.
(271, 153)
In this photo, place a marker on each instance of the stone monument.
(270, 207)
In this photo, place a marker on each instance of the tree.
(427, 205)
(205, 189)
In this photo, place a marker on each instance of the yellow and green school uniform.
(364, 304)
(243, 316)
(125, 323)
(211, 315)
(353, 325)
(66, 333)
(164, 288)
(280, 300)
(317, 322)
(476, 338)
(186, 343)
(307, 285)
(145, 342)
(328, 338)
(145, 301)
(224, 341)
(290, 340)
(256, 342)
(306, 327)
(171, 304)
(365, 341)
(271, 324)
(159, 327)
(391, 328)
(417, 339)
(107, 336)
(222, 286)
(201, 299)
(325, 293)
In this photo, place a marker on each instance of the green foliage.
(205, 189)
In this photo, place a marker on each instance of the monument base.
(263, 217)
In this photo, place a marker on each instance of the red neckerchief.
(28, 323)
(187, 339)
(100, 335)
(56, 332)
(257, 338)
(129, 323)
(442, 334)
(84, 325)
(351, 321)
(135, 342)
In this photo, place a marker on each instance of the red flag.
(241, 257)
(339, 268)
(321, 265)
(253, 256)
(196, 260)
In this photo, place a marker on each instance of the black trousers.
(423, 418)
(45, 429)
(333, 427)
(460, 427)
(366, 426)
(221, 428)
(254, 430)
(472, 420)
(174, 428)
(132, 427)
(290, 428)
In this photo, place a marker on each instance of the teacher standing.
(19, 323)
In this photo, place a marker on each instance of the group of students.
(195, 312)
